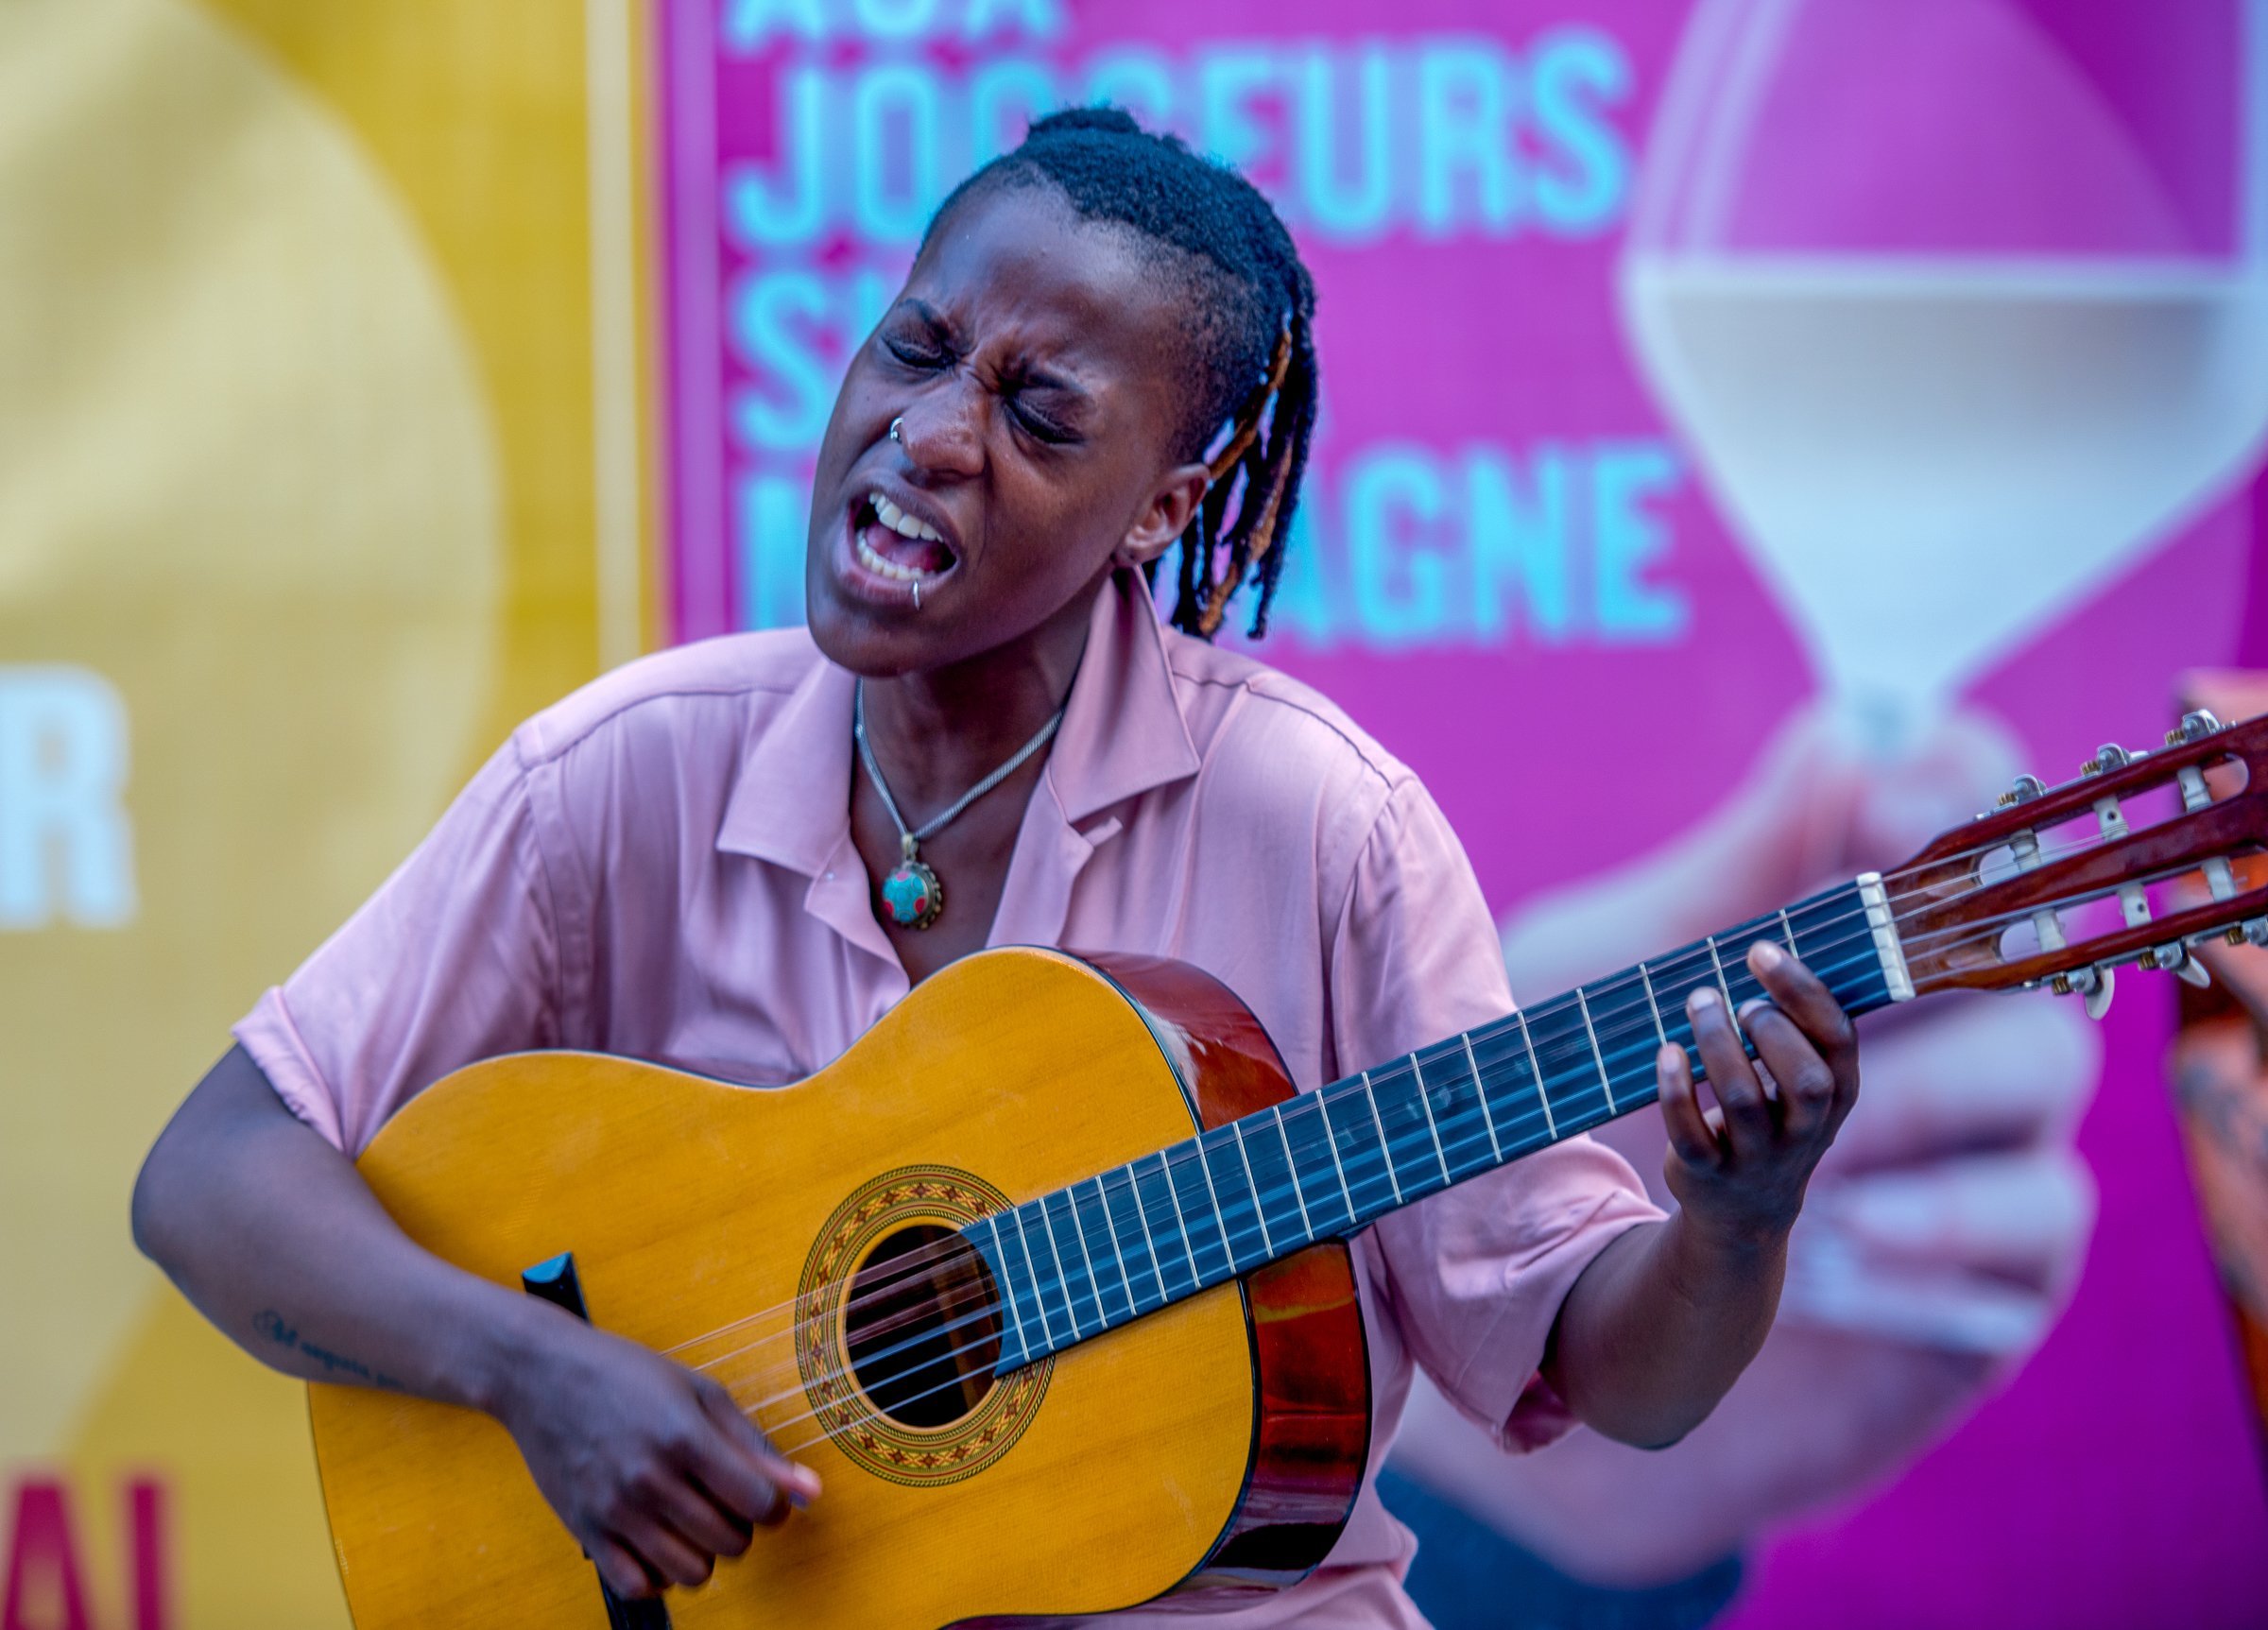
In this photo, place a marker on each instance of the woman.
(706, 859)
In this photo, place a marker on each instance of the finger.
(668, 1556)
(699, 1516)
(624, 1574)
(1747, 1118)
(1689, 1136)
(1796, 991)
(741, 1470)
(1807, 1086)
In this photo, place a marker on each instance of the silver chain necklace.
(913, 895)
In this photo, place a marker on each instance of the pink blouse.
(661, 867)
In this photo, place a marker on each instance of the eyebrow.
(1031, 378)
(937, 322)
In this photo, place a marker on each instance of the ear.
(1164, 517)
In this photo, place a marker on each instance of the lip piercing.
(896, 426)
(917, 593)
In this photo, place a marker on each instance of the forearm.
(275, 1237)
(1660, 1326)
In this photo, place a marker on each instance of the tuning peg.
(2023, 791)
(2175, 959)
(2095, 984)
(2109, 756)
(2195, 726)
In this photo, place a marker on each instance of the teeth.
(874, 562)
(900, 522)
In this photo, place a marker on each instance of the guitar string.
(1294, 1148)
(912, 1264)
(1416, 1140)
(1618, 1033)
(1261, 1197)
(1633, 1021)
(915, 1262)
(991, 1310)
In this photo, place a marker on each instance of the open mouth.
(891, 543)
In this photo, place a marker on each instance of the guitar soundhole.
(923, 1326)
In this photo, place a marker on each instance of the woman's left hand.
(1738, 1167)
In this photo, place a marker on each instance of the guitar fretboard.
(1128, 1240)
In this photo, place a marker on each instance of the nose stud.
(896, 427)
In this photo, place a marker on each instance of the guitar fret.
(1653, 1006)
(1094, 1280)
(1789, 929)
(1425, 1102)
(1306, 1158)
(1189, 1247)
(1220, 1219)
(1252, 1183)
(1133, 1305)
(1000, 1249)
(1141, 1215)
(1330, 1138)
(1386, 1149)
(1071, 1306)
(1718, 962)
(1291, 1163)
(1481, 1092)
(1047, 1325)
(1606, 1082)
(1543, 1097)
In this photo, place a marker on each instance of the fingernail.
(1764, 957)
(1702, 997)
(1752, 1006)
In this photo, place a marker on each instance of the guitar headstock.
(2141, 859)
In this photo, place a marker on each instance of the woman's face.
(1038, 363)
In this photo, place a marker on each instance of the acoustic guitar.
(1046, 1277)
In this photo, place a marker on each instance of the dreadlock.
(1251, 336)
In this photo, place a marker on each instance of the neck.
(1324, 1164)
(937, 729)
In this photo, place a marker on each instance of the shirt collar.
(1123, 734)
(782, 809)
(1123, 731)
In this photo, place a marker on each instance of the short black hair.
(1251, 333)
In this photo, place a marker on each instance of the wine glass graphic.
(1961, 305)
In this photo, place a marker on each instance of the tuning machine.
(2098, 985)
(2175, 959)
(2195, 727)
(2023, 791)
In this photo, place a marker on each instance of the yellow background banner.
(320, 467)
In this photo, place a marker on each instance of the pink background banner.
(1513, 566)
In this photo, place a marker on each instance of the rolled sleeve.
(1475, 1274)
(455, 958)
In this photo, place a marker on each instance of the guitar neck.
(1127, 1241)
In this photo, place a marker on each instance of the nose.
(942, 431)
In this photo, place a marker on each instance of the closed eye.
(1038, 424)
(915, 354)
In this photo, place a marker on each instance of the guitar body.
(1216, 1445)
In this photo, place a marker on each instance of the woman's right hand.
(272, 1232)
(651, 1465)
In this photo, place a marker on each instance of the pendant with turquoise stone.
(912, 895)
